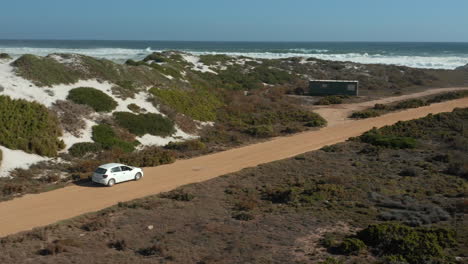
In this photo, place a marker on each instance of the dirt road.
(338, 114)
(46, 208)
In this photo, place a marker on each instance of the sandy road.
(338, 114)
(46, 208)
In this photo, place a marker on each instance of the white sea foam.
(441, 61)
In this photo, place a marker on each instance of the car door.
(127, 173)
(117, 174)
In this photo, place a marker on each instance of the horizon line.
(237, 41)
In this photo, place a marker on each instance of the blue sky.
(236, 20)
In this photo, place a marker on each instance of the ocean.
(413, 54)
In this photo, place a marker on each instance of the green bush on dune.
(200, 104)
(141, 124)
(5, 56)
(94, 98)
(29, 126)
(375, 138)
(107, 138)
(83, 148)
(44, 71)
(408, 244)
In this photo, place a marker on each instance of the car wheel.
(137, 176)
(111, 182)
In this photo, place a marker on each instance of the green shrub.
(148, 157)
(178, 195)
(328, 100)
(142, 124)
(199, 104)
(414, 245)
(5, 56)
(351, 246)
(131, 62)
(134, 108)
(388, 141)
(412, 103)
(83, 148)
(447, 96)
(44, 71)
(1, 158)
(107, 138)
(156, 57)
(94, 98)
(29, 126)
(214, 59)
(365, 114)
(125, 89)
(190, 145)
(260, 131)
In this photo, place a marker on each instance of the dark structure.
(333, 87)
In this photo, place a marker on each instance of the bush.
(106, 137)
(178, 195)
(143, 124)
(412, 103)
(5, 56)
(135, 108)
(414, 245)
(375, 138)
(29, 126)
(72, 116)
(364, 114)
(351, 246)
(328, 100)
(44, 71)
(148, 157)
(262, 131)
(156, 57)
(243, 216)
(83, 148)
(200, 104)
(190, 145)
(447, 96)
(94, 98)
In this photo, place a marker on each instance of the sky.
(236, 20)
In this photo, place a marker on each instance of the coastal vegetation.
(380, 109)
(5, 56)
(200, 104)
(93, 98)
(107, 138)
(142, 124)
(29, 126)
(353, 202)
(44, 71)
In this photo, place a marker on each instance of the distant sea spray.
(419, 55)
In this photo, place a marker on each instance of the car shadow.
(88, 183)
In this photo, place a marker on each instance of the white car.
(112, 173)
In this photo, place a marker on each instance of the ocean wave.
(431, 62)
(442, 61)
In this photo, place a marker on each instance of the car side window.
(125, 168)
(116, 169)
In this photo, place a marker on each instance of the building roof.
(333, 81)
(110, 165)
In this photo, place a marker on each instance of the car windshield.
(100, 171)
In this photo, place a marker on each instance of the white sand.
(13, 159)
(18, 88)
(197, 65)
